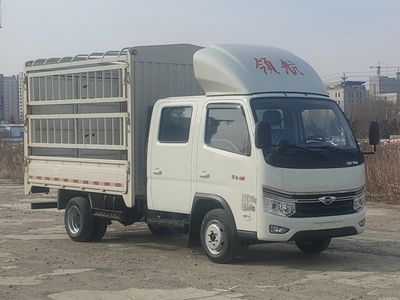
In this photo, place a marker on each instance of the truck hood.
(316, 180)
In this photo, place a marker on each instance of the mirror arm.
(373, 152)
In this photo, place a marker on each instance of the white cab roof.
(250, 69)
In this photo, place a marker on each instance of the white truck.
(244, 145)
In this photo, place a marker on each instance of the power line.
(332, 75)
(362, 73)
(337, 76)
(347, 73)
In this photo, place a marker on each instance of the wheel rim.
(214, 237)
(73, 220)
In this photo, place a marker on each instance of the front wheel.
(313, 246)
(218, 236)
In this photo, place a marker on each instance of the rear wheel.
(79, 220)
(313, 246)
(100, 228)
(218, 236)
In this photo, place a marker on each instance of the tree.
(384, 112)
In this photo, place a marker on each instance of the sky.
(333, 36)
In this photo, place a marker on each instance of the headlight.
(280, 207)
(359, 202)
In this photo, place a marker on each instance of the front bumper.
(308, 228)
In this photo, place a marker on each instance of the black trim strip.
(306, 94)
(166, 218)
(324, 233)
(43, 205)
(315, 196)
(244, 234)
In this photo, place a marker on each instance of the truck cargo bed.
(86, 116)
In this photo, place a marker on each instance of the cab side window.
(226, 129)
(175, 124)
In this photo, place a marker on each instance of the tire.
(79, 220)
(313, 246)
(99, 230)
(218, 236)
(159, 230)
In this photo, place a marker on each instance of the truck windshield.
(307, 133)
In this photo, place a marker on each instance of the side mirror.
(374, 133)
(263, 136)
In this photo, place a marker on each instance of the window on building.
(175, 124)
(226, 129)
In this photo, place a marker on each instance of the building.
(389, 97)
(384, 88)
(348, 94)
(1, 98)
(9, 100)
(20, 97)
(383, 85)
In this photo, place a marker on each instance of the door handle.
(157, 171)
(204, 174)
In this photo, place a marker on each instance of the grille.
(318, 209)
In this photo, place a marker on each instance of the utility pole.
(344, 78)
(0, 14)
(346, 100)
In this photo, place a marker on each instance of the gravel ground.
(39, 261)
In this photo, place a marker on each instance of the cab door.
(170, 157)
(226, 162)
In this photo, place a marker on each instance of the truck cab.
(252, 162)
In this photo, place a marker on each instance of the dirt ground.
(39, 261)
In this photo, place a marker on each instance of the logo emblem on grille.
(327, 200)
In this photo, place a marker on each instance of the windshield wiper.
(284, 146)
(329, 147)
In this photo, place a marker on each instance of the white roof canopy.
(249, 69)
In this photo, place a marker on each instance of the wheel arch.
(63, 197)
(203, 203)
